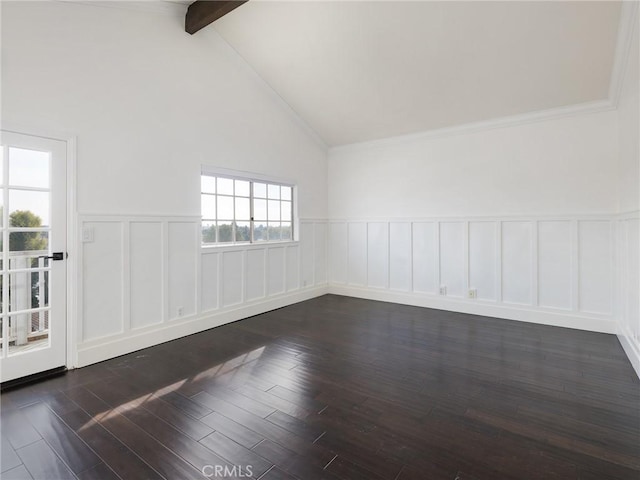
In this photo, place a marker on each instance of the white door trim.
(72, 264)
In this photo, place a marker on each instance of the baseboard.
(477, 307)
(631, 348)
(110, 347)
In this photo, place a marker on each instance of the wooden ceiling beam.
(203, 12)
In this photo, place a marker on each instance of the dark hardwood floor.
(339, 388)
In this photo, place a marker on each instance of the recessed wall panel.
(338, 251)
(209, 272)
(275, 270)
(182, 268)
(357, 261)
(292, 258)
(452, 258)
(255, 277)
(307, 253)
(378, 254)
(145, 259)
(482, 259)
(400, 256)
(595, 266)
(320, 265)
(232, 278)
(425, 257)
(554, 264)
(102, 277)
(517, 262)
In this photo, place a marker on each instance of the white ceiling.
(359, 71)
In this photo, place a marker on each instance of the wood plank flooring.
(339, 388)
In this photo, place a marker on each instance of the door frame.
(72, 266)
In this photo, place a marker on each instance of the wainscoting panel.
(146, 261)
(426, 257)
(307, 253)
(452, 258)
(483, 259)
(292, 273)
(146, 279)
(527, 269)
(275, 270)
(517, 262)
(595, 266)
(320, 250)
(210, 274)
(256, 270)
(378, 255)
(232, 277)
(400, 256)
(103, 280)
(183, 241)
(357, 260)
(338, 251)
(627, 285)
(554, 264)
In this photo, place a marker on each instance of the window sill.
(204, 248)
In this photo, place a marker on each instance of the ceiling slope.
(360, 71)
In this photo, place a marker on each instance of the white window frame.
(252, 178)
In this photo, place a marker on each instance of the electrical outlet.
(473, 293)
(87, 234)
(443, 289)
(179, 311)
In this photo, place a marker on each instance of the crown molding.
(626, 27)
(173, 9)
(467, 128)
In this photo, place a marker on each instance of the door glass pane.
(28, 209)
(25, 332)
(28, 168)
(29, 241)
(28, 290)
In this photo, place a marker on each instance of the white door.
(33, 240)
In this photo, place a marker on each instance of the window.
(244, 210)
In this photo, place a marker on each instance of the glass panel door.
(32, 227)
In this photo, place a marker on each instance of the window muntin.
(243, 210)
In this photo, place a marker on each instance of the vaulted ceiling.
(364, 70)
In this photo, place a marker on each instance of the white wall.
(524, 215)
(628, 224)
(149, 104)
(561, 166)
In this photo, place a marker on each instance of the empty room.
(340, 240)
